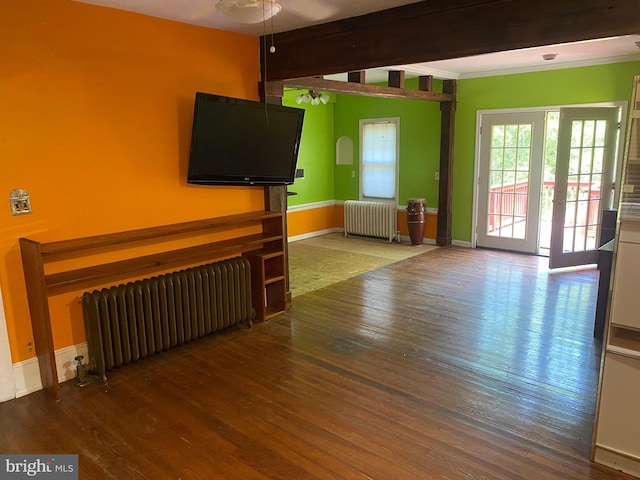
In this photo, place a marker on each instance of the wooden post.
(425, 83)
(396, 78)
(40, 317)
(356, 77)
(275, 197)
(276, 200)
(445, 190)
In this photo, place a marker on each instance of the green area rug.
(321, 261)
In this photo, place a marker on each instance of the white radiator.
(371, 219)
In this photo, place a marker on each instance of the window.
(379, 159)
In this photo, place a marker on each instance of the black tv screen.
(242, 142)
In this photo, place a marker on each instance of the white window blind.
(379, 158)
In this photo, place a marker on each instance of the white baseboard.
(7, 383)
(617, 460)
(27, 372)
(426, 241)
(317, 233)
(65, 360)
(27, 376)
(461, 243)
(403, 238)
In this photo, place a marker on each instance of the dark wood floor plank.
(454, 364)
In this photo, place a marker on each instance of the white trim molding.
(461, 243)
(428, 210)
(333, 203)
(617, 459)
(7, 380)
(330, 203)
(312, 206)
(425, 241)
(27, 377)
(27, 372)
(317, 233)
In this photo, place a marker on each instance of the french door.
(585, 169)
(509, 181)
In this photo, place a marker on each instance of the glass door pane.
(587, 144)
(509, 186)
(509, 181)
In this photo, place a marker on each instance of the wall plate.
(20, 202)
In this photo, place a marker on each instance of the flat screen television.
(242, 142)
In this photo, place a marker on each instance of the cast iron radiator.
(129, 322)
(371, 219)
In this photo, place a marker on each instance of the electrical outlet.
(20, 207)
(20, 202)
(353, 174)
(437, 176)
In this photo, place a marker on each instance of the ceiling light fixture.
(249, 11)
(312, 97)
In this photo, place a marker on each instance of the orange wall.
(325, 218)
(430, 225)
(314, 220)
(96, 108)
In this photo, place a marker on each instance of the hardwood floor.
(456, 364)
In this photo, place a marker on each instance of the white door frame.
(7, 378)
(476, 168)
(558, 258)
(536, 120)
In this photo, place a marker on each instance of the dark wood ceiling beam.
(350, 88)
(442, 29)
(396, 78)
(356, 77)
(425, 83)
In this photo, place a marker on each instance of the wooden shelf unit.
(40, 285)
(631, 172)
(616, 438)
(268, 283)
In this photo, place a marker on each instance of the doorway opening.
(552, 120)
(544, 177)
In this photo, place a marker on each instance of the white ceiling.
(295, 13)
(590, 52)
(302, 13)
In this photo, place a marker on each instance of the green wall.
(317, 152)
(602, 83)
(420, 131)
(419, 143)
(324, 124)
(419, 156)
